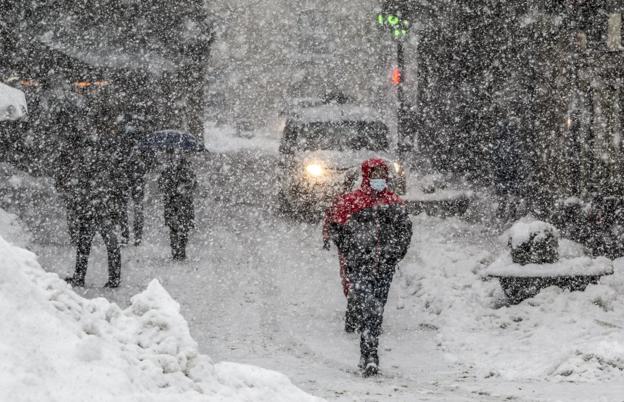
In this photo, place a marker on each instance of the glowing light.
(29, 83)
(314, 170)
(395, 77)
(397, 25)
(397, 167)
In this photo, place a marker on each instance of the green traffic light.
(398, 27)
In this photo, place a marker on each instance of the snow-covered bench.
(520, 269)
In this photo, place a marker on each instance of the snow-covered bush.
(533, 242)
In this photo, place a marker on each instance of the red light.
(396, 76)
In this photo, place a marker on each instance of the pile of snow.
(434, 187)
(58, 346)
(557, 335)
(11, 228)
(528, 229)
(227, 139)
(12, 103)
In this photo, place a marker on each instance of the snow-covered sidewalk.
(562, 345)
(259, 290)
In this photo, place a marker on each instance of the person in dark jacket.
(372, 231)
(94, 202)
(132, 183)
(177, 183)
(71, 131)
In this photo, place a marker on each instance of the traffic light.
(395, 76)
(395, 17)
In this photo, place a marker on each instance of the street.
(259, 289)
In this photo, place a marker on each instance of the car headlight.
(314, 170)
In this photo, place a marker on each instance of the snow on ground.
(557, 336)
(259, 290)
(58, 346)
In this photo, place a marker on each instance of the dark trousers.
(178, 236)
(136, 195)
(87, 228)
(368, 297)
(72, 219)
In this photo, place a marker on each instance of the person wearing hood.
(372, 231)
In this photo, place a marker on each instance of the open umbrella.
(171, 140)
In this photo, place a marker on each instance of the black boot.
(112, 283)
(75, 282)
(372, 366)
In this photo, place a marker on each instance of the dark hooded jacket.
(371, 229)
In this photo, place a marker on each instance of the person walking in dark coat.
(372, 231)
(94, 202)
(177, 183)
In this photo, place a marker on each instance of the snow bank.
(11, 228)
(557, 335)
(58, 346)
(226, 139)
(12, 103)
(431, 188)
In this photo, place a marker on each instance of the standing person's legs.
(174, 239)
(123, 219)
(72, 219)
(85, 233)
(182, 242)
(114, 253)
(138, 193)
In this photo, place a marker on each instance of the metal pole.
(404, 146)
